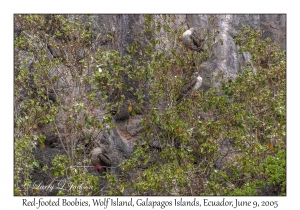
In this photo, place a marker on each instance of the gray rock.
(117, 147)
(226, 58)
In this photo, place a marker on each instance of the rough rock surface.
(226, 58)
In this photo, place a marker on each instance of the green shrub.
(179, 152)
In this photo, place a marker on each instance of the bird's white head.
(193, 31)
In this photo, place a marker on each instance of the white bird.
(190, 40)
(192, 85)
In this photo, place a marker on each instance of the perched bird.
(99, 158)
(192, 85)
(52, 95)
(191, 41)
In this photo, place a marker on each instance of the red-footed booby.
(192, 85)
(99, 158)
(190, 40)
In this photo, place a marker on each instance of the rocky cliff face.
(226, 59)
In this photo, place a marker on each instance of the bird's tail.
(197, 49)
